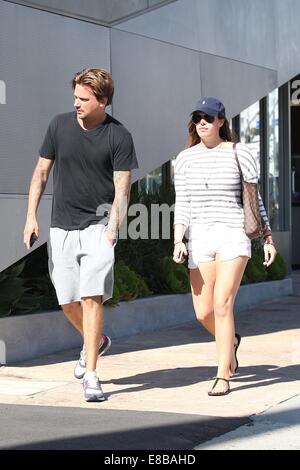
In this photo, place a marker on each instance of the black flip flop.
(219, 394)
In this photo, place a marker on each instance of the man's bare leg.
(93, 320)
(74, 314)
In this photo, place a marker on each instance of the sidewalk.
(156, 385)
(276, 429)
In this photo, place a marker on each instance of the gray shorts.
(81, 263)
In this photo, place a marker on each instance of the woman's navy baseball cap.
(210, 105)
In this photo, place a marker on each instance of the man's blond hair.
(99, 80)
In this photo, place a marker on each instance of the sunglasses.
(196, 118)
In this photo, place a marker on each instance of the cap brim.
(210, 112)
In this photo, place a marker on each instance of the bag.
(252, 218)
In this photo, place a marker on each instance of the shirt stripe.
(208, 186)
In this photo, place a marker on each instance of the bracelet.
(175, 243)
(269, 243)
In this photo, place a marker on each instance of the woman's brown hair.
(225, 132)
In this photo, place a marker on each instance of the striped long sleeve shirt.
(208, 186)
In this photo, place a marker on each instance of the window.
(250, 131)
(273, 156)
(151, 182)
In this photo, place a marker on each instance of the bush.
(278, 269)
(23, 295)
(255, 270)
(244, 280)
(173, 277)
(144, 255)
(128, 285)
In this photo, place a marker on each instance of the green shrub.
(244, 280)
(278, 269)
(257, 247)
(173, 277)
(15, 297)
(128, 285)
(143, 257)
(255, 270)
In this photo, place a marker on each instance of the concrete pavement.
(156, 384)
(278, 428)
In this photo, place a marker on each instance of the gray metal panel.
(39, 54)
(288, 39)
(237, 84)
(156, 87)
(102, 10)
(239, 29)
(152, 3)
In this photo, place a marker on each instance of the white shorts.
(206, 242)
(81, 263)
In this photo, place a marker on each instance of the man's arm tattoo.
(122, 182)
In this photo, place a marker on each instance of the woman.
(208, 203)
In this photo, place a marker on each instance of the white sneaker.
(80, 366)
(92, 390)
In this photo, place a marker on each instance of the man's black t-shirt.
(84, 166)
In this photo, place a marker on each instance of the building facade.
(163, 55)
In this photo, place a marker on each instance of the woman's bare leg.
(228, 279)
(202, 286)
(203, 281)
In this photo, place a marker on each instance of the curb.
(29, 336)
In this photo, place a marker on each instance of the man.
(93, 155)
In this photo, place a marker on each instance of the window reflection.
(273, 159)
(151, 182)
(250, 131)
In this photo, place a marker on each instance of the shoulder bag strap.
(237, 161)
